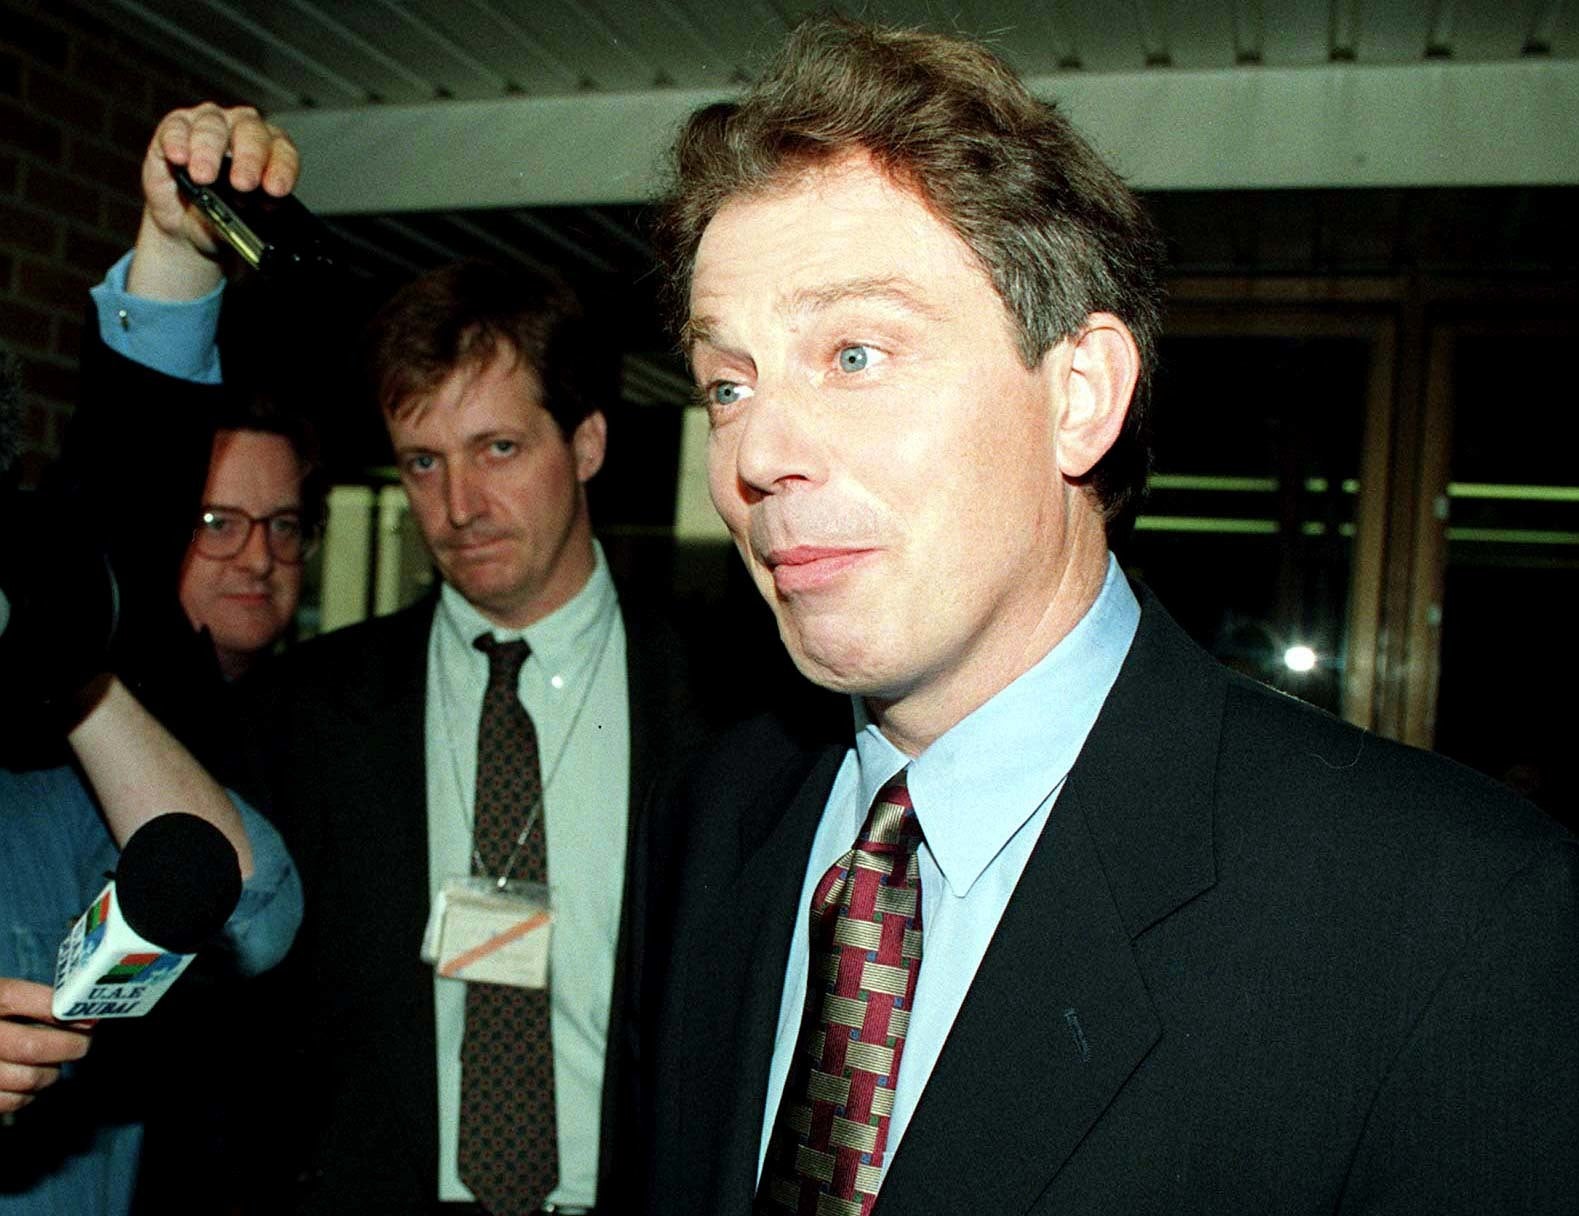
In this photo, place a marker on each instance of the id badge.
(477, 932)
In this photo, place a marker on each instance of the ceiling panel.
(356, 52)
(378, 55)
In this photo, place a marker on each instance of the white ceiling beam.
(1437, 124)
(1339, 126)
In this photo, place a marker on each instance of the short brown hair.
(461, 314)
(252, 407)
(1057, 231)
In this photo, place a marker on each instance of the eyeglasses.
(223, 532)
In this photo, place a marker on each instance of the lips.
(474, 551)
(811, 567)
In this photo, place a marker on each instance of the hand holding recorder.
(177, 252)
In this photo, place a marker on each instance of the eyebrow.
(888, 289)
(290, 508)
(471, 439)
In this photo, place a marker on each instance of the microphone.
(176, 883)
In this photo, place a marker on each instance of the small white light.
(557, 681)
(1299, 658)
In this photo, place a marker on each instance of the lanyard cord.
(466, 797)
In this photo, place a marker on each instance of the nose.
(777, 446)
(461, 500)
(255, 556)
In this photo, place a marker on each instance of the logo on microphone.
(95, 918)
(141, 968)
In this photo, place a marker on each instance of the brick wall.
(77, 105)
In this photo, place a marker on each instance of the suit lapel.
(665, 723)
(404, 792)
(385, 714)
(384, 828)
(1058, 1017)
(733, 984)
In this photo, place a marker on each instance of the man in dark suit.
(1121, 932)
(384, 744)
(492, 396)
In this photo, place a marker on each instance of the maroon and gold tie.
(830, 1139)
(509, 1139)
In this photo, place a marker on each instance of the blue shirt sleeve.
(264, 923)
(176, 337)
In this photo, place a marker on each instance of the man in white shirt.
(493, 392)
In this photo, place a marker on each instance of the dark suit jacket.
(1259, 961)
(342, 723)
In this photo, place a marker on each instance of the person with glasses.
(491, 386)
(83, 766)
(241, 579)
(205, 495)
(172, 461)
(170, 477)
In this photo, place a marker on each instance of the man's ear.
(1099, 372)
(589, 441)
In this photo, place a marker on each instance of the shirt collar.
(979, 782)
(562, 641)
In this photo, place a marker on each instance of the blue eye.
(853, 358)
(726, 392)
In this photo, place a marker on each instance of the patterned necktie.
(826, 1154)
(509, 1141)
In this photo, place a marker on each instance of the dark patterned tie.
(829, 1142)
(509, 1141)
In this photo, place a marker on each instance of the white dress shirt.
(574, 686)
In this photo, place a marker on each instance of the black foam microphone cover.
(62, 598)
(177, 881)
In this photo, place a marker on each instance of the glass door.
(1262, 531)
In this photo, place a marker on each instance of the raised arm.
(176, 256)
(138, 770)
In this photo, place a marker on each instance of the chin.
(837, 664)
(502, 605)
(249, 633)
(483, 581)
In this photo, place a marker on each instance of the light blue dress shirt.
(983, 792)
(173, 337)
(76, 1148)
